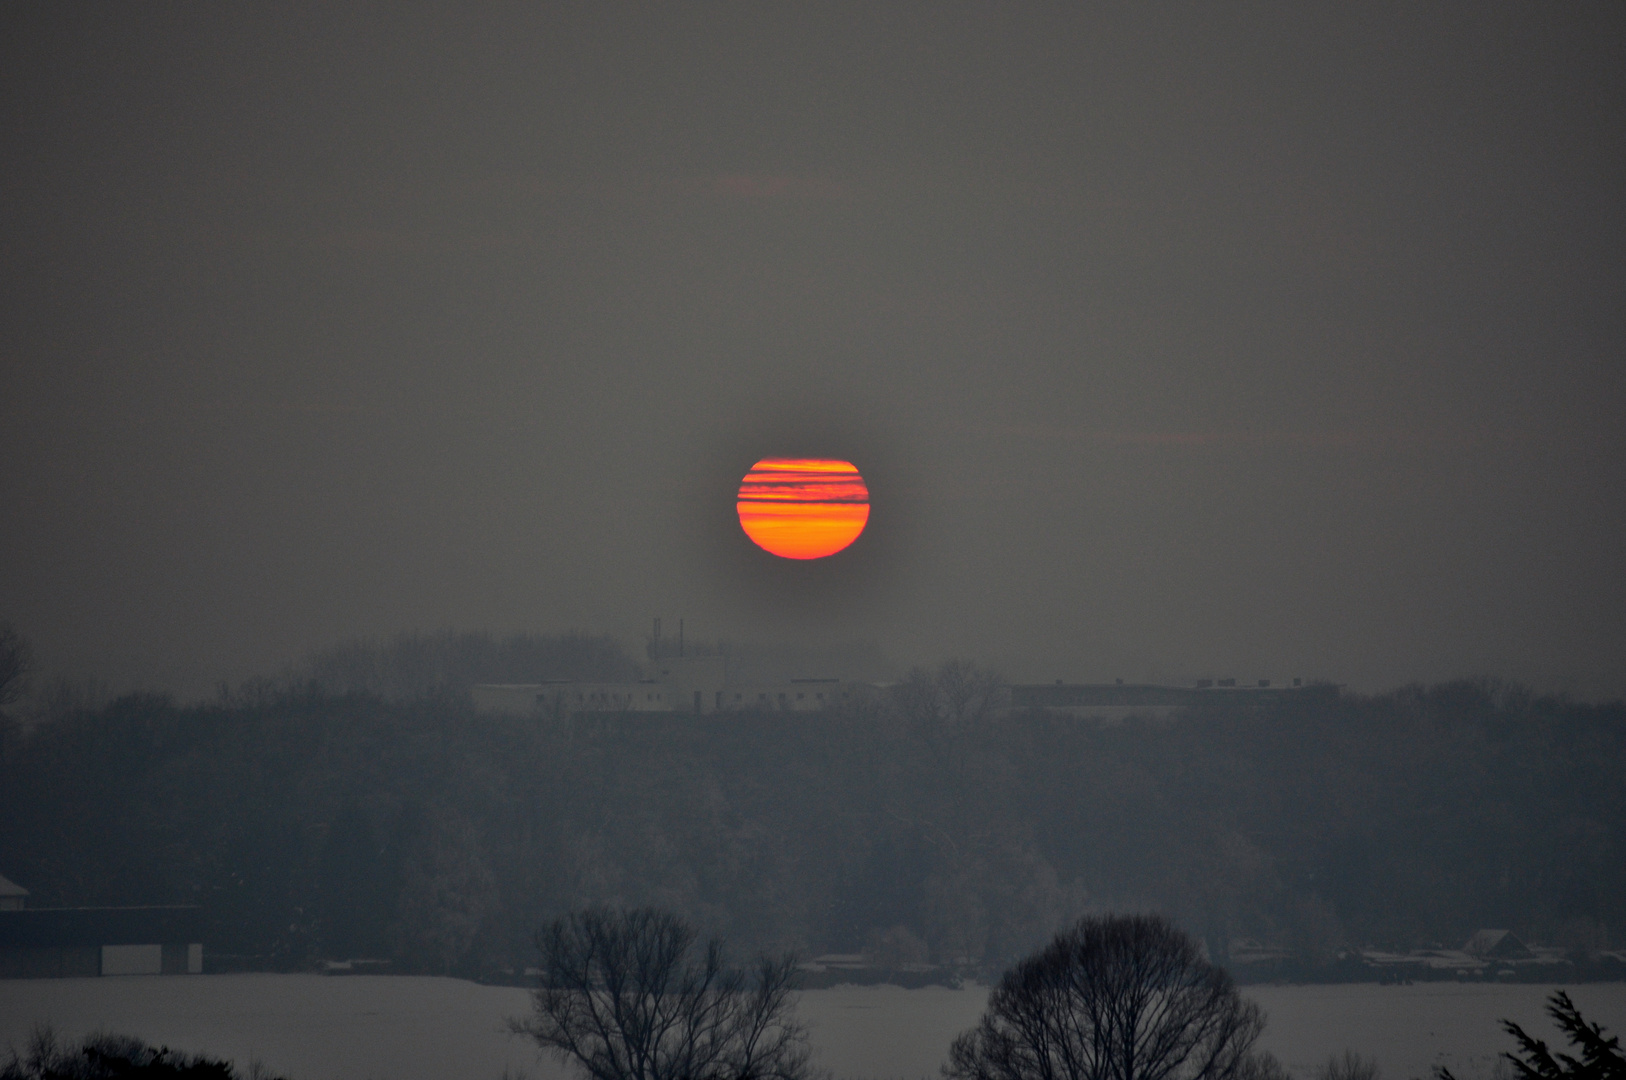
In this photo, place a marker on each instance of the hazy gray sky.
(1172, 341)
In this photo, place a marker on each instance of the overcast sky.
(1172, 341)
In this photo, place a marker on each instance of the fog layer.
(1170, 343)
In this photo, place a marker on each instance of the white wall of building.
(133, 960)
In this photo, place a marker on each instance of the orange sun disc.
(803, 508)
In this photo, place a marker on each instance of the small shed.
(1497, 945)
(66, 942)
(12, 895)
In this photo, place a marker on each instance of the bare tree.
(968, 693)
(958, 693)
(1114, 998)
(626, 995)
(1351, 1066)
(15, 661)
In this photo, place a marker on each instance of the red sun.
(803, 508)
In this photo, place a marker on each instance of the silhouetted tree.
(15, 661)
(1114, 998)
(1350, 1066)
(1601, 1058)
(446, 892)
(14, 665)
(107, 1057)
(957, 692)
(625, 995)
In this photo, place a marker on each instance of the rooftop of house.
(1496, 943)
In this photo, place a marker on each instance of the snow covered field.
(311, 1027)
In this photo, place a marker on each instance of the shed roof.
(68, 927)
(11, 888)
(1496, 943)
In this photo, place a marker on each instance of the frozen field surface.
(310, 1027)
(1410, 1029)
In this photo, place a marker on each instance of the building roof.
(1497, 943)
(11, 888)
(69, 927)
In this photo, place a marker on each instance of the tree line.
(630, 995)
(314, 818)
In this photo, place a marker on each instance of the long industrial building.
(700, 684)
(1119, 701)
(687, 684)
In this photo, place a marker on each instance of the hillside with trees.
(320, 818)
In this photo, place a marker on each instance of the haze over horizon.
(1169, 342)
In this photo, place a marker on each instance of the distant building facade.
(1118, 701)
(700, 684)
(684, 684)
(42, 943)
(1497, 945)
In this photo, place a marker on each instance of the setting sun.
(803, 508)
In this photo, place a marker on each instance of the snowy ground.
(311, 1027)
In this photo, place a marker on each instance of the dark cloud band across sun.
(803, 508)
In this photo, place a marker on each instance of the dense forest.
(361, 807)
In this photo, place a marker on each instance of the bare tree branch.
(623, 997)
(1114, 998)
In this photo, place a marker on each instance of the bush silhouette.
(113, 1057)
